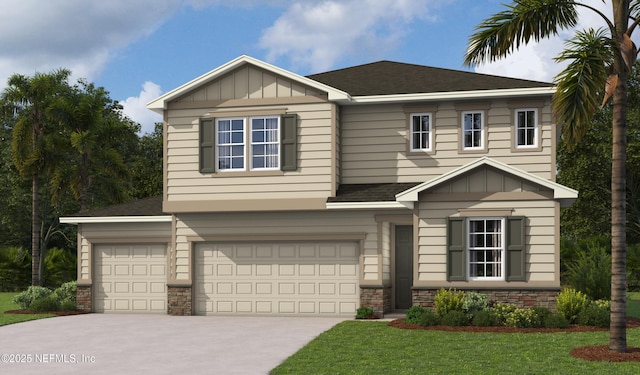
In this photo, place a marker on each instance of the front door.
(403, 266)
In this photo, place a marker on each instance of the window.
(486, 249)
(526, 128)
(485, 246)
(258, 143)
(421, 137)
(472, 130)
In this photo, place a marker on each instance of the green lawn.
(364, 347)
(7, 304)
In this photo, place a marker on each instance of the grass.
(6, 303)
(357, 347)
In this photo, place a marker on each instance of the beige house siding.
(374, 142)
(312, 179)
(278, 226)
(91, 234)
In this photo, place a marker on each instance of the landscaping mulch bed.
(58, 313)
(587, 353)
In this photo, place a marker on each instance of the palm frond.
(524, 20)
(581, 83)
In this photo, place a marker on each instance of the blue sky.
(140, 49)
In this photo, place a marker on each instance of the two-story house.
(374, 185)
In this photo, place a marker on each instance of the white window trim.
(536, 128)
(502, 241)
(250, 143)
(412, 147)
(482, 131)
(217, 145)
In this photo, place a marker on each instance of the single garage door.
(277, 278)
(130, 278)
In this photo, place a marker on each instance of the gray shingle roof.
(389, 78)
(370, 192)
(143, 207)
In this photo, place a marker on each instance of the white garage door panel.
(277, 278)
(130, 278)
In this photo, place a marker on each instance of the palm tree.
(600, 62)
(29, 99)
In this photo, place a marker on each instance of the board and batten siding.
(312, 179)
(374, 142)
(279, 227)
(124, 233)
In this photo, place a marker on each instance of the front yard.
(365, 347)
(7, 304)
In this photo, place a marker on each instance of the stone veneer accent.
(521, 298)
(378, 298)
(83, 298)
(179, 300)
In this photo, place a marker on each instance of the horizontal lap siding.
(539, 236)
(374, 144)
(209, 226)
(312, 179)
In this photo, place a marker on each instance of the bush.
(68, 306)
(48, 303)
(590, 272)
(569, 304)
(455, 318)
(484, 318)
(501, 310)
(542, 313)
(594, 315)
(556, 321)
(33, 293)
(15, 269)
(522, 318)
(428, 318)
(364, 312)
(448, 300)
(474, 303)
(414, 314)
(66, 292)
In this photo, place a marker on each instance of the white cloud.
(135, 107)
(316, 34)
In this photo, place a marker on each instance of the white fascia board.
(115, 219)
(160, 104)
(367, 205)
(560, 192)
(454, 95)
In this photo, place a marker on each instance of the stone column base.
(84, 298)
(179, 300)
(378, 298)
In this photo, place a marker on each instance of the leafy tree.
(30, 99)
(147, 165)
(600, 62)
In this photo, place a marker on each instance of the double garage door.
(130, 278)
(276, 278)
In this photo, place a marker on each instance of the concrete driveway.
(154, 344)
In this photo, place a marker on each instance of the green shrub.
(605, 304)
(15, 269)
(569, 304)
(414, 314)
(556, 321)
(428, 318)
(68, 306)
(474, 302)
(590, 271)
(33, 293)
(48, 303)
(448, 300)
(364, 312)
(522, 318)
(60, 266)
(594, 315)
(484, 318)
(542, 313)
(455, 318)
(501, 310)
(66, 292)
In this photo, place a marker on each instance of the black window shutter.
(516, 246)
(289, 142)
(207, 145)
(456, 250)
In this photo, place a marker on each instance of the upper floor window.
(472, 130)
(257, 143)
(421, 132)
(526, 128)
